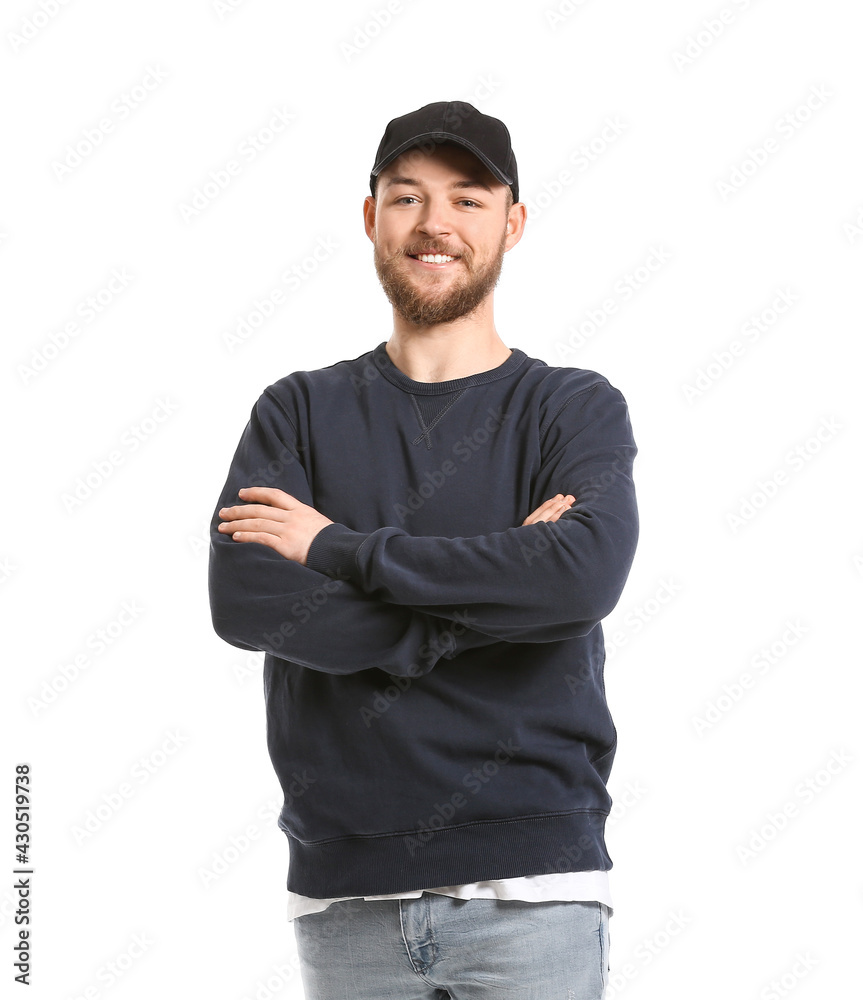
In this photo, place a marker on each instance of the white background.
(748, 541)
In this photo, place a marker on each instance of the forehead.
(441, 163)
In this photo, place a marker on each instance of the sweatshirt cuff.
(334, 552)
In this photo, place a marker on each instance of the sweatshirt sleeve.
(261, 601)
(531, 583)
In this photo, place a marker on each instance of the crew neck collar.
(398, 377)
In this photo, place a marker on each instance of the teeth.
(434, 258)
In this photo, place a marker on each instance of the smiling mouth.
(434, 258)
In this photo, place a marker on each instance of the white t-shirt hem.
(563, 886)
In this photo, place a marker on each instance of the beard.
(425, 301)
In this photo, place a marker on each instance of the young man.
(424, 540)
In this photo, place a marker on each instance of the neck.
(467, 346)
(438, 355)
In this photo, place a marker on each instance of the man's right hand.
(551, 509)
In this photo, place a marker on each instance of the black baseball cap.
(450, 121)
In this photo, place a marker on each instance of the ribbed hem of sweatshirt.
(367, 866)
(334, 551)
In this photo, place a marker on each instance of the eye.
(409, 197)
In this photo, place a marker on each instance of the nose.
(434, 219)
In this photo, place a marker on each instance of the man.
(425, 542)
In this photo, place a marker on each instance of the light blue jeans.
(437, 947)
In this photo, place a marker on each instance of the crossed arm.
(274, 518)
(286, 579)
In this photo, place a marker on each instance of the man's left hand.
(275, 518)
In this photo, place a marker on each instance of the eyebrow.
(456, 185)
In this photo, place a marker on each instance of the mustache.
(412, 252)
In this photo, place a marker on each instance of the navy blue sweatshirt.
(435, 704)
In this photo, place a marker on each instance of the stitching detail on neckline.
(427, 428)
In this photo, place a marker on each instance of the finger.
(554, 513)
(253, 510)
(269, 495)
(262, 537)
(544, 510)
(560, 498)
(252, 524)
(550, 504)
(551, 509)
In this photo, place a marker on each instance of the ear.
(369, 207)
(515, 224)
